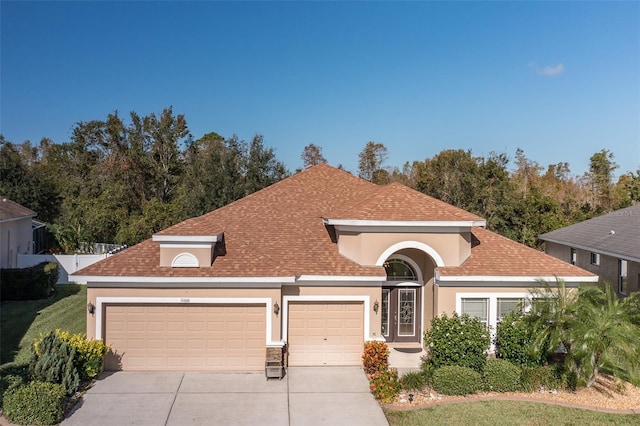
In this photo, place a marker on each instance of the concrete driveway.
(305, 396)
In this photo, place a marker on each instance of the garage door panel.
(325, 333)
(197, 337)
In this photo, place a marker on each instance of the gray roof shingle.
(616, 233)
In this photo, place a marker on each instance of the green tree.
(600, 179)
(23, 180)
(371, 160)
(164, 135)
(262, 168)
(312, 156)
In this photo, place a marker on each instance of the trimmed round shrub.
(413, 381)
(456, 380)
(38, 403)
(501, 376)
(457, 340)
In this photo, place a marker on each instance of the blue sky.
(560, 80)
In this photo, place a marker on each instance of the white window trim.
(492, 317)
(185, 260)
(411, 263)
(415, 311)
(435, 256)
(287, 299)
(266, 301)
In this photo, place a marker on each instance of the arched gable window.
(400, 270)
(185, 260)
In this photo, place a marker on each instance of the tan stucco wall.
(16, 236)
(366, 248)
(167, 254)
(274, 294)
(446, 296)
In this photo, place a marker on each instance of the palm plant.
(552, 317)
(593, 325)
(604, 338)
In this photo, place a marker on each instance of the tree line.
(119, 181)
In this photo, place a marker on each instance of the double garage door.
(186, 337)
(229, 337)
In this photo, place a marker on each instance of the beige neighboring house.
(16, 232)
(317, 264)
(607, 245)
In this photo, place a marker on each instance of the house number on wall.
(185, 300)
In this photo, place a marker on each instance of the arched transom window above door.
(400, 270)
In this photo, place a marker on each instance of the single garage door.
(186, 337)
(325, 333)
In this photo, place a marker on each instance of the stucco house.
(16, 232)
(317, 264)
(607, 245)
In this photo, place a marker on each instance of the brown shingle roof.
(279, 232)
(10, 210)
(390, 202)
(495, 255)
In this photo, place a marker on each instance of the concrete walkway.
(306, 396)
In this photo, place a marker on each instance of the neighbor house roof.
(616, 234)
(279, 232)
(10, 210)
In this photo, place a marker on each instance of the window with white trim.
(595, 259)
(574, 256)
(489, 307)
(476, 307)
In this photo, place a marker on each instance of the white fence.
(69, 263)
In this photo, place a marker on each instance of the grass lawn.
(506, 413)
(23, 321)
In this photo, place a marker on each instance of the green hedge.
(38, 403)
(35, 282)
(456, 340)
(515, 340)
(501, 376)
(455, 380)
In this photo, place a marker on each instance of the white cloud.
(550, 71)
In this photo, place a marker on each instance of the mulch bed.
(607, 394)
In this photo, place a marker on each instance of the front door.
(401, 313)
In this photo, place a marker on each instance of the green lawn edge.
(506, 413)
(23, 321)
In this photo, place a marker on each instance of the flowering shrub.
(90, 354)
(384, 384)
(456, 340)
(375, 356)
